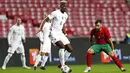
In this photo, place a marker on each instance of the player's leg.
(67, 46)
(43, 56)
(22, 55)
(38, 57)
(44, 60)
(115, 59)
(61, 52)
(47, 47)
(89, 59)
(11, 51)
(23, 60)
(7, 58)
(93, 49)
(68, 51)
(56, 39)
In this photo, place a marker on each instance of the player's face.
(63, 7)
(98, 26)
(19, 21)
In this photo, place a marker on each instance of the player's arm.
(42, 23)
(64, 30)
(111, 43)
(91, 38)
(107, 33)
(10, 36)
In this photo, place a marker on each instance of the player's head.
(63, 5)
(18, 21)
(98, 24)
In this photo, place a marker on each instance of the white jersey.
(16, 34)
(44, 37)
(46, 31)
(58, 20)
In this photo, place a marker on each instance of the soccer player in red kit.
(104, 43)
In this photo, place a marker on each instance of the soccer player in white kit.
(58, 34)
(45, 46)
(15, 37)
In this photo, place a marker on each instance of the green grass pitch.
(96, 68)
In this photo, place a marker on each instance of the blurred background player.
(45, 46)
(15, 37)
(58, 33)
(127, 38)
(103, 43)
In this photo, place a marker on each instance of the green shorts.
(101, 47)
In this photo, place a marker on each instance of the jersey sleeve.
(10, 35)
(52, 15)
(107, 33)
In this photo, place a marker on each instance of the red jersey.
(101, 36)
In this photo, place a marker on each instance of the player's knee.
(90, 51)
(46, 54)
(42, 53)
(9, 54)
(22, 54)
(60, 44)
(69, 48)
(111, 54)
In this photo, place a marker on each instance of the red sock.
(88, 59)
(117, 61)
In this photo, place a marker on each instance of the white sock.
(44, 60)
(38, 59)
(7, 58)
(67, 54)
(23, 60)
(61, 56)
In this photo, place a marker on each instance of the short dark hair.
(98, 21)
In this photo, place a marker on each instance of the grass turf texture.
(96, 68)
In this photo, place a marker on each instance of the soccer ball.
(65, 69)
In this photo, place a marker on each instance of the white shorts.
(46, 46)
(16, 47)
(55, 37)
